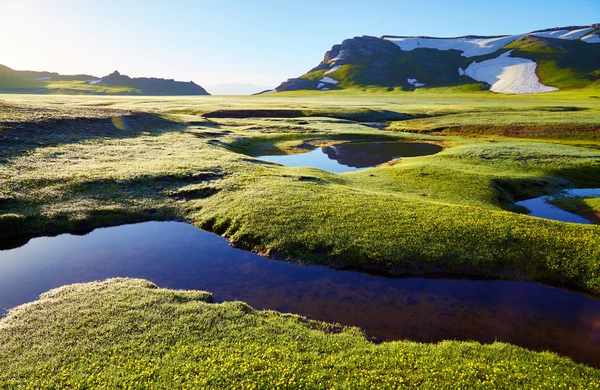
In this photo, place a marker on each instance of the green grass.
(433, 67)
(442, 213)
(573, 204)
(593, 204)
(562, 63)
(587, 207)
(71, 163)
(10, 79)
(17, 82)
(82, 87)
(128, 334)
(543, 122)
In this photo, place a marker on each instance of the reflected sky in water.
(177, 255)
(541, 208)
(354, 156)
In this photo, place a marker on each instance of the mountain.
(19, 81)
(32, 81)
(539, 61)
(236, 89)
(152, 86)
(8, 75)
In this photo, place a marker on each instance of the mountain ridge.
(27, 81)
(539, 61)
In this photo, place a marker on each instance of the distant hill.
(16, 81)
(152, 86)
(539, 61)
(9, 77)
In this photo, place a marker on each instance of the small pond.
(354, 156)
(541, 208)
(180, 256)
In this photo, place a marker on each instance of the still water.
(541, 208)
(354, 156)
(180, 256)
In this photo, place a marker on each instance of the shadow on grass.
(513, 190)
(19, 137)
(359, 115)
(583, 132)
(112, 202)
(581, 176)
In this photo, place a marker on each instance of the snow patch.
(415, 83)
(333, 69)
(325, 89)
(95, 82)
(336, 59)
(321, 85)
(43, 78)
(508, 74)
(268, 91)
(564, 34)
(594, 38)
(470, 47)
(461, 71)
(329, 80)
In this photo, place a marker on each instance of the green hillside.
(433, 67)
(561, 63)
(12, 79)
(370, 62)
(16, 81)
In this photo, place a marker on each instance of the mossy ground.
(69, 163)
(128, 334)
(448, 212)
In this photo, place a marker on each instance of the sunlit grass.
(447, 212)
(126, 333)
(71, 163)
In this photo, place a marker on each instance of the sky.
(261, 42)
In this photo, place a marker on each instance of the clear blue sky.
(250, 41)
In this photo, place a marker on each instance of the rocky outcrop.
(154, 86)
(349, 51)
(357, 47)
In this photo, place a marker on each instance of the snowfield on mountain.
(508, 74)
(542, 61)
(470, 47)
(593, 38)
(564, 34)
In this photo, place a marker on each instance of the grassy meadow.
(129, 334)
(73, 163)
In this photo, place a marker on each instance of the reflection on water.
(177, 255)
(540, 207)
(354, 156)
